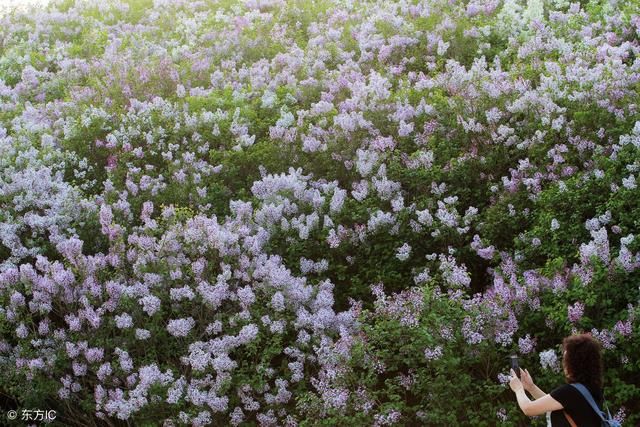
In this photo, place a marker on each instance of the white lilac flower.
(124, 321)
(403, 252)
(180, 327)
(549, 360)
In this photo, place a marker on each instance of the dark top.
(576, 406)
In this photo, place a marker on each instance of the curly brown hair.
(583, 359)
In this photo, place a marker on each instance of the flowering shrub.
(315, 213)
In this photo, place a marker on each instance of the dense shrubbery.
(320, 212)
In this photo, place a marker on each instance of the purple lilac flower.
(150, 304)
(620, 415)
(433, 353)
(526, 344)
(605, 337)
(390, 418)
(504, 378)
(624, 328)
(22, 331)
(575, 312)
(94, 355)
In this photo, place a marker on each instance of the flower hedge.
(326, 212)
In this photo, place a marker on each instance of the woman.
(582, 363)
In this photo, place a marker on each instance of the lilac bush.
(314, 213)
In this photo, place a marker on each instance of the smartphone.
(514, 365)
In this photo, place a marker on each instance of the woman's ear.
(567, 373)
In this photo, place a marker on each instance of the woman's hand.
(515, 383)
(526, 380)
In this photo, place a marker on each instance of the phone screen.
(515, 366)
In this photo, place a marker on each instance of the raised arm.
(527, 383)
(531, 408)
